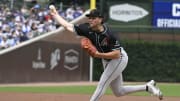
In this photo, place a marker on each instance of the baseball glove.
(87, 45)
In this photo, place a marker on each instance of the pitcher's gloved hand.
(87, 45)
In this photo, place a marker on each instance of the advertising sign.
(126, 12)
(166, 14)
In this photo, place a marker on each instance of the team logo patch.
(104, 42)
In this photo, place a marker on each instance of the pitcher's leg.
(110, 73)
(120, 90)
(101, 88)
(117, 84)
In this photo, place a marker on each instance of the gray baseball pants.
(112, 76)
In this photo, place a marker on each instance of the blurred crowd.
(17, 26)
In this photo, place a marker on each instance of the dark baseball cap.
(94, 13)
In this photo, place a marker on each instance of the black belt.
(107, 60)
(120, 49)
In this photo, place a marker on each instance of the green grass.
(51, 89)
(167, 89)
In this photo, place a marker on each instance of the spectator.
(3, 43)
(25, 30)
(40, 27)
(69, 13)
(16, 36)
(78, 12)
(10, 41)
(17, 26)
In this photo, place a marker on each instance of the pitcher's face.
(94, 21)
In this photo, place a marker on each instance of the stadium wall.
(45, 61)
(52, 57)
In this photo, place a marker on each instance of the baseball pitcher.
(101, 43)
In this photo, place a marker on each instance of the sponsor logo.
(126, 12)
(55, 58)
(172, 20)
(39, 64)
(168, 23)
(176, 9)
(71, 61)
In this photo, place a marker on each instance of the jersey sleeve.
(115, 45)
(81, 29)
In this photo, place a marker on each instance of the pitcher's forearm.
(110, 55)
(64, 23)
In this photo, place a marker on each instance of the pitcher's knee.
(119, 93)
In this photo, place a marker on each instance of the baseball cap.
(94, 13)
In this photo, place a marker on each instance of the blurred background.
(149, 30)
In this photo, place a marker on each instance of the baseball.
(51, 7)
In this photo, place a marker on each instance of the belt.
(120, 49)
(107, 60)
